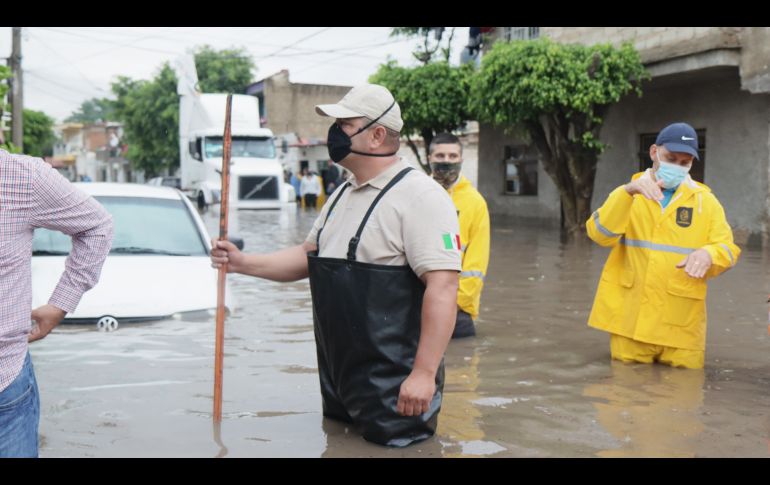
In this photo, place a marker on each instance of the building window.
(521, 33)
(698, 170)
(520, 172)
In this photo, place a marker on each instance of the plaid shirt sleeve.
(60, 206)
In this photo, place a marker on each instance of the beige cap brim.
(336, 111)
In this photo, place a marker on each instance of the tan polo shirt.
(415, 223)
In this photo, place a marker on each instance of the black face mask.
(338, 142)
(446, 173)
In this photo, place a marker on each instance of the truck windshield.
(243, 146)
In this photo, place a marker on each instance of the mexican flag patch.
(451, 241)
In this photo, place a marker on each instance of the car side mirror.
(238, 241)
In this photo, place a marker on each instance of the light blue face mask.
(671, 174)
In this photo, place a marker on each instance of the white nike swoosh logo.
(686, 138)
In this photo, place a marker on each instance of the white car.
(175, 182)
(158, 266)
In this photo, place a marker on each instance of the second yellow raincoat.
(474, 235)
(642, 295)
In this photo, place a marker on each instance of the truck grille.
(258, 188)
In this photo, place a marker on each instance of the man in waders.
(383, 259)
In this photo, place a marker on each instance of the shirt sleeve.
(608, 223)
(431, 233)
(475, 260)
(58, 205)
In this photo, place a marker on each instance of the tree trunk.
(570, 165)
(425, 166)
(427, 138)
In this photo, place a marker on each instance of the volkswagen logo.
(107, 324)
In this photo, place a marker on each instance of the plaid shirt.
(33, 194)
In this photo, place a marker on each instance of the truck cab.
(256, 175)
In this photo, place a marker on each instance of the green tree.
(5, 74)
(93, 110)
(433, 99)
(38, 136)
(149, 110)
(431, 41)
(559, 94)
(223, 71)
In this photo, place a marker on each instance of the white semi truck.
(256, 175)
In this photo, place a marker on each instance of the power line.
(306, 51)
(47, 92)
(39, 40)
(128, 44)
(352, 51)
(329, 61)
(59, 85)
(294, 43)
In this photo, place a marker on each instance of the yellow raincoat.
(474, 236)
(642, 295)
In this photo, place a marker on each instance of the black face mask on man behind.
(339, 143)
(446, 173)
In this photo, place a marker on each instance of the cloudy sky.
(63, 66)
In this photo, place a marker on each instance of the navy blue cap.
(679, 137)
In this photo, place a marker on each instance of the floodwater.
(535, 382)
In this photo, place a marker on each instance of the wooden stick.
(223, 209)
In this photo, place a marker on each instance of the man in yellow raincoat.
(668, 235)
(446, 159)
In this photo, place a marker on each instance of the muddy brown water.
(535, 382)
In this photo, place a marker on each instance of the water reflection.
(536, 381)
(652, 410)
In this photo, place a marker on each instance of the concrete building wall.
(755, 61)
(661, 43)
(653, 43)
(737, 126)
(737, 153)
(290, 107)
(715, 78)
(544, 207)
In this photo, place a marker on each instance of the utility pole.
(17, 90)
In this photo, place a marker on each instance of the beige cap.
(368, 100)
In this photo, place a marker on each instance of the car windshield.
(242, 146)
(142, 226)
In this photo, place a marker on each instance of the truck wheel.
(201, 201)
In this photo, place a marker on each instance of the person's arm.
(288, 264)
(58, 205)
(475, 262)
(439, 312)
(430, 228)
(608, 223)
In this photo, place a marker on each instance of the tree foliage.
(38, 137)
(149, 110)
(559, 93)
(5, 74)
(431, 42)
(433, 98)
(94, 110)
